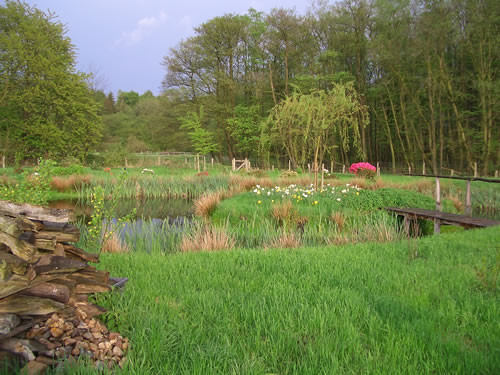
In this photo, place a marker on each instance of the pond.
(158, 223)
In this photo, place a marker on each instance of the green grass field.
(367, 308)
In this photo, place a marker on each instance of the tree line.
(401, 81)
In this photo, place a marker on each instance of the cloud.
(143, 28)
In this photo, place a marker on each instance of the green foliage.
(34, 187)
(102, 224)
(67, 171)
(244, 127)
(202, 140)
(47, 109)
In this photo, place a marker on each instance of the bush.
(68, 171)
(365, 170)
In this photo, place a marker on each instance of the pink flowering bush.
(362, 169)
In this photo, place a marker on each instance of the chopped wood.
(89, 310)
(27, 305)
(23, 327)
(59, 251)
(31, 212)
(18, 283)
(89, 257)
(57, 292)
(46, 244)
(92, 288)
(8, 322)
(18, 265)
(22, 249)
(89, 275)
(49, 264)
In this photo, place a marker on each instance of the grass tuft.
(207, 238)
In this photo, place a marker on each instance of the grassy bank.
(368, 308)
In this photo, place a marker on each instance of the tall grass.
(356, 309)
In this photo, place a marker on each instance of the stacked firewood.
(45, 282)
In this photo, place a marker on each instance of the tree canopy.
(46, 107)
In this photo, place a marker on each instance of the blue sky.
(126, 40)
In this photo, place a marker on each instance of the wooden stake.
(247, 165)
(378, 169)
(212, 160)
(126, 163)
(289, 165)
(475, 169)
(322, 176)
(3, 161)
(437, 222)
(452, 172)
(496, 173)
(234, 164)
(423, 168)
(409, 169)
(343, 168)
(331, 166)
(198, 162)
(272, 168)
(468, 200)
(204, 163)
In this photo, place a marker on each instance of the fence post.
(322, 176)
(378, 169)
(198, 162)
(496, 173)
(423, 168)
(3, 161)
(289, 165)
(437, 222)
(468, 200)
(343, 168)
(475, 169)
(308, 168)
(126, 163)
(452, 172)
(409, 170)
(234, 164)
(246, 164)
(204, 163)
(331, 166)
(212, 161)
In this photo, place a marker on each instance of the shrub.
(207, 239)
(365, 170)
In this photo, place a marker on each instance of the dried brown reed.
(285, 240)
(207, 239)
(338, 219)
(7, 181)
(457, 202)
(282, 211)
(114, 244)
(62, 184)
(362, 183)
(205, 205)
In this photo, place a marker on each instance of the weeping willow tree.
(308, 127)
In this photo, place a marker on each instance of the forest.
(409, 81)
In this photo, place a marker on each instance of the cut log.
(10, 226)
(92, 288)
(8, 322)
(57, 292)
(46, 244)
(64, 233)
(22, 249)
(88, 310)
(50, 264)
(81, 254)
(59, 251)
(25, 325)
(88, 275)
(19, 283)
(27, 305)
(18, 265)
(38, 213)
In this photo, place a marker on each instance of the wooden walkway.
(442, 218)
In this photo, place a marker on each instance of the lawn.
(366, 308)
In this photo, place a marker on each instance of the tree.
(202, 140)
(47, 108)
(310, 126)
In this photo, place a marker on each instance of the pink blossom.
(356, 166)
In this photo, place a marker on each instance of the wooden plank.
(57, 292)
(50, 264)
(81, 254)
(37, 212)
(446, 218)
(18, 283)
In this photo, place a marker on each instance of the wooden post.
(378, 169)
(289, 165)
(204, 163)
(468, 200)
(423, 168)
(343, 168)
(234, 164)
(158, 163)
(3, 161)
(309, 168)
(322, 176)
(194, 162)
(198, 162)
(272, 168)
(496, 173)
(437, 222)
(475, 169)
(246, 165)
(185, 161)
(331, 166)
(212, 161)
(126, 163)
(452, 172)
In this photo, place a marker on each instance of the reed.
(207, 238)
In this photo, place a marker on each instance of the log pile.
(45, 282)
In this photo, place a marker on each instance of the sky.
(124, 41)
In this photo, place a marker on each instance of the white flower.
(338, 199)
(254, 190)
(257, 186)
(343, 191)
(268, 193)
